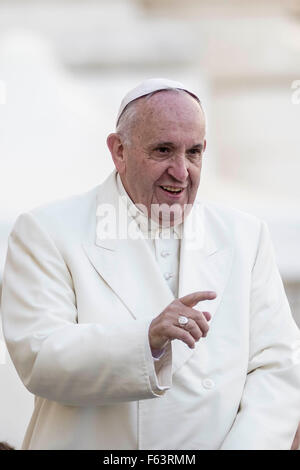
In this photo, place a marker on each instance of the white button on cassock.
(208, 383)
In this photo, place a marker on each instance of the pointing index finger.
(191, 300)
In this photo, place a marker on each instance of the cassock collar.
(149, 227)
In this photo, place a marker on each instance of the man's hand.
(165, 326)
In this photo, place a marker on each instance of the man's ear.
(116, 149)
(204, 145)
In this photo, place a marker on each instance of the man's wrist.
(157, 353)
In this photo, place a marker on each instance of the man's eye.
(195, 152)
(163, 149)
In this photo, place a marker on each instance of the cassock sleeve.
(57, 357)
(269, 410)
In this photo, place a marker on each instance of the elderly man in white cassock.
(143, 318)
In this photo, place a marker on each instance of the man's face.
(162, 160)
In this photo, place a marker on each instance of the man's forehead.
(160, 126)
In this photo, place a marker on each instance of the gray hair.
(128, 117)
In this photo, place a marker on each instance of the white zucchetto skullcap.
(149, 86)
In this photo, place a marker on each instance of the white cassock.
(77, 306)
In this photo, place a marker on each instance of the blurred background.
(64, 68)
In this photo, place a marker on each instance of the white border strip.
(2, 92)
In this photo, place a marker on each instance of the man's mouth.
(172, 189)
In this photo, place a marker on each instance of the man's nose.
(178, 168)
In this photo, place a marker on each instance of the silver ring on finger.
(182, 321)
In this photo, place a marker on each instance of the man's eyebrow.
(200, 145)
(171, 144)
(164, 144)
(197, 146)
